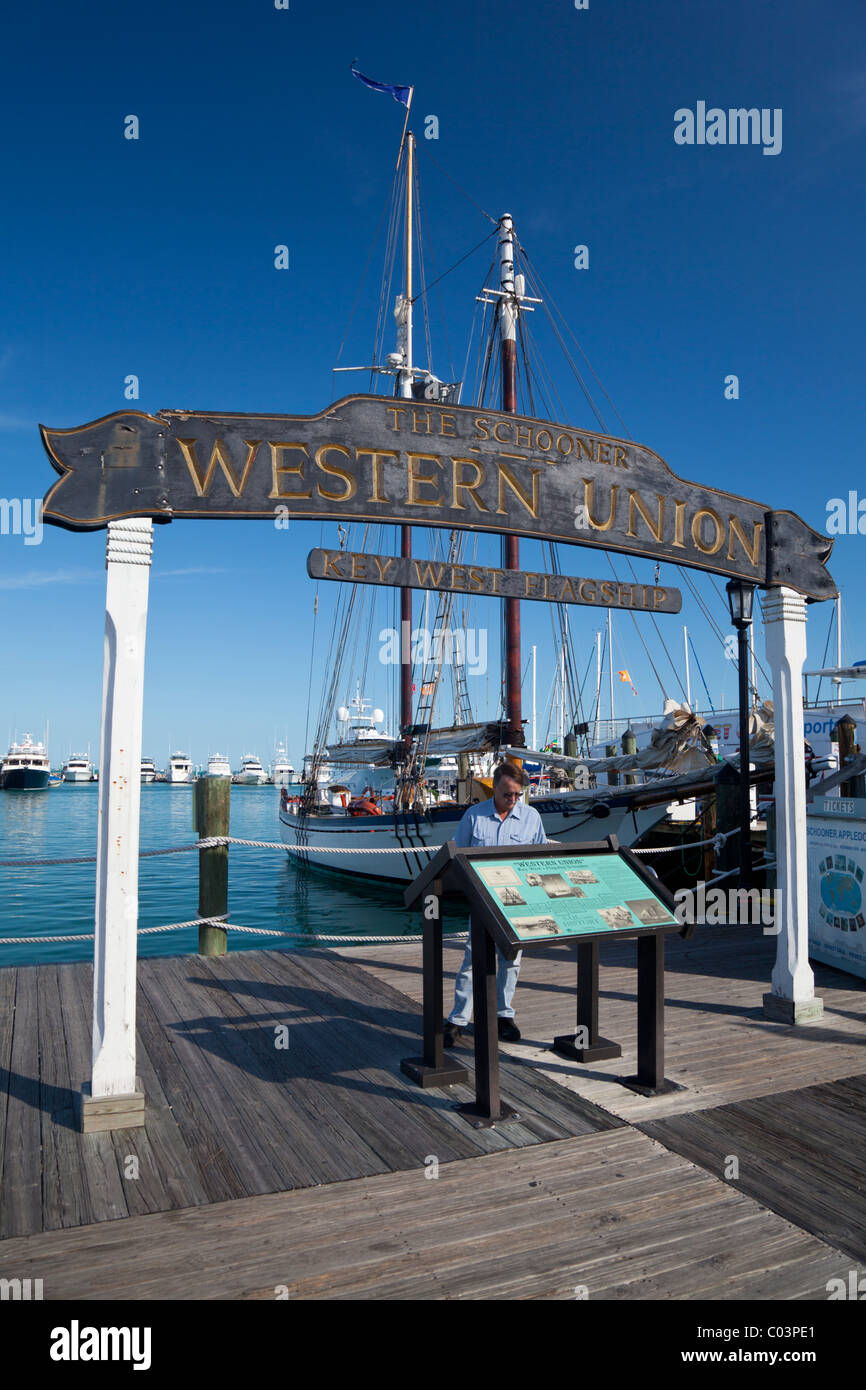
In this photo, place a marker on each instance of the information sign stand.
(585, 1045)
(533, 895)
(434, 1068)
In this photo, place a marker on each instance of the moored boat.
(26, 767)
(250, 773)
(78, 768)
(179, 769)
(282, 772)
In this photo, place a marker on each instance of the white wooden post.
(114, 1099)
(792, 998)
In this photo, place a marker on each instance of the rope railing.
(332, 938)
(216, 841)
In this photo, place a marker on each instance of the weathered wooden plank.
(21, 1182)
(210, 1162)
(394, 1118)
(235, 1111)
(333, 1150)
(65, 1199)
(106, 1189)
(529, 1223)
(8, 984)
(798, 1154)
(546, 1111)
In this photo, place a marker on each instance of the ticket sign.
(547, 893)
(837, 883)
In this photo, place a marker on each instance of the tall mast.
(838, 645)
(688, 681)
(508, 305)
(534, 730)
(405, 390)
(610, 667)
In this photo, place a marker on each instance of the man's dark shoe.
(451, 1032)
(508, 1030)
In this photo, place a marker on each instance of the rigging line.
(364, 273)
(703, 677)
(723, 597)
(440, 278)
(536, 368)
(826, 649)
(462, 190)
(421, 269)
(388, 267)
(574, 367)
(552, 550)
(686, 577)
(484, 339)
(654, 622)
(469, 345)
(711, 620)
(568, 357)
(550, 383)
(425, 224)
(643, 643)
(548, 297)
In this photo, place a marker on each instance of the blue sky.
(156, 257)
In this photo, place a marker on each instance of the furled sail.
(442, 743)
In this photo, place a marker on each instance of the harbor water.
(267, 889)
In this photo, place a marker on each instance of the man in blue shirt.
(504, 820)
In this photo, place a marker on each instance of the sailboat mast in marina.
(381, 816)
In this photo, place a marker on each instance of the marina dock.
(317, 1170)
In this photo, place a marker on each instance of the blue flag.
(401, 94)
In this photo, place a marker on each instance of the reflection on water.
(267, 889)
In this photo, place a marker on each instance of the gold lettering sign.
(370, 459)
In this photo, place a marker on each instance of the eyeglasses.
(511, 796)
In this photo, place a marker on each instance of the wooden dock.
(311, 1168)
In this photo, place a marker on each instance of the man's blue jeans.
(507, 972)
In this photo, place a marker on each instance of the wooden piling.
(728, 817)
(629, 745)
(709, 826)
(611, 751)
(211, 817)
(845, 732)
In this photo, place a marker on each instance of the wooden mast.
(508, 306)
(405, 390)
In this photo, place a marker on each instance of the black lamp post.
(740, 597)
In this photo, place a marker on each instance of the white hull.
(179, 779)
(326, 839)
(251, 779)
(77, 777)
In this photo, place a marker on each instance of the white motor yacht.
(148, 770)
(218, 766)
(25, 767)
(282, 772)
(179, 769)
(251, 773)
(77, 769)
